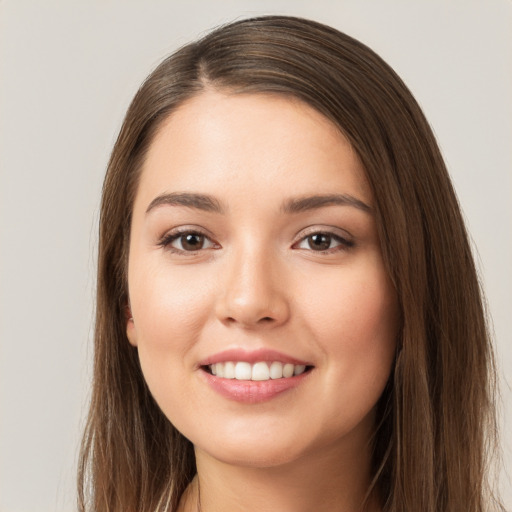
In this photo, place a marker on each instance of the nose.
(253, 295)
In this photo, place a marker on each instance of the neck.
(318, 482)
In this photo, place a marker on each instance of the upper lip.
(251, 356)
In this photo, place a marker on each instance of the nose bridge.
(253, 293)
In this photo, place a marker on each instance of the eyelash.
(167, 240)
(343, 243)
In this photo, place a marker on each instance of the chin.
(258, 457)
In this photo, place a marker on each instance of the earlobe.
(131, 332)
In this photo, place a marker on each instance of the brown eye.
(191, 241)
(319, 242)
(187, 241)
(324, 242)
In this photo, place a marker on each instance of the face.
(264, 318)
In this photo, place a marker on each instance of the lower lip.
(252, 391)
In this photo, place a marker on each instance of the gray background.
(67, 73)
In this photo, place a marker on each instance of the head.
(419, 444)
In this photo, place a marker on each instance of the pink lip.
(251, 392)
(252, 356)
(248, 391)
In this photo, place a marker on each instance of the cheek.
(168, 305)
(355, 324)
(169, 311)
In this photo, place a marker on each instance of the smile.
(253, 376)
(259, 371)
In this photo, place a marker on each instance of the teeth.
(276, 370)
(287, 370)
(243, 371)
(258, 371)
(229, 370)
(298, 369)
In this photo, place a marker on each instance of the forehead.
(218, 142)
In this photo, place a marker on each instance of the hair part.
(436, 414)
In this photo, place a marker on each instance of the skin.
(257, 283)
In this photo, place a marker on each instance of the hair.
(435, 420)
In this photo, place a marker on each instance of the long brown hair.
(436, 416)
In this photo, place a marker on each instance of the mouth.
(258, 371)
(253, 376)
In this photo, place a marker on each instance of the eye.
(187, 241)
(323, 242)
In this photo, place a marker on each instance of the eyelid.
(345, 239)
(328, 230)
(175, 233)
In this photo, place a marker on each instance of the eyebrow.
(301, 204)
(294, 205)
(190, 200)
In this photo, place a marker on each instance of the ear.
(131, 332)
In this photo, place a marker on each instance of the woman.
(288, 314)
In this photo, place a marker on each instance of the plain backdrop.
(67, 73)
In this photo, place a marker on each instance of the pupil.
(319, 242)
(192, 242)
